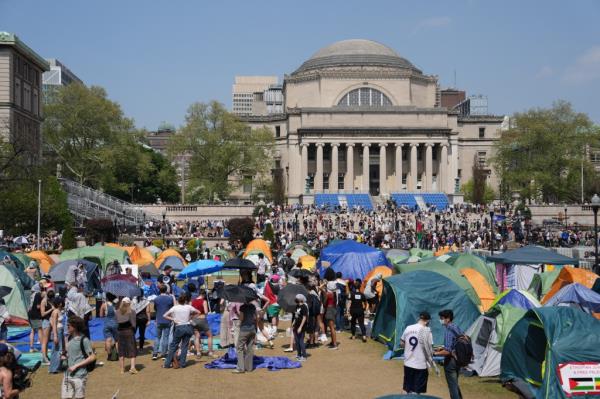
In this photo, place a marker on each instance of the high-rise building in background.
(244, 90)
(58, 75)
(21, 71)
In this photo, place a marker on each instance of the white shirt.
(181, 314)
(414, 353)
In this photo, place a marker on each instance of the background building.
(359, 118)
(244, 89)
(21, 71)
(58, 75)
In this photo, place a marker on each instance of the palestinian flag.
(584, 384)
(269, 293)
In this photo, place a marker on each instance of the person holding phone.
(418, 357)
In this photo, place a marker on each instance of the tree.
(241, 229)
(222, 150)
(269, 233)
(100, 230)
(541, 156)
(486, 197)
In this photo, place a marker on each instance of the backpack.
(463, 351)
(90, 366)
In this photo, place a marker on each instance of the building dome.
(355, 53)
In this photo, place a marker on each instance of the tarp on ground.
(352, 259)
(444, 269)
(261, 246)
(569, 275)
(532, 255)
(17, 302)
(99, 254)
(542, 282)
(271, 363)
(167, 253)
(406, 295)
(471, 261)
(577, 296)
(544, 339)
(43, 260)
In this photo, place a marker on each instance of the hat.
(126, 300)
(3, 349)
(331, 286)
(275, 278)
(301, 298)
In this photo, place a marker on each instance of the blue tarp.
(577, 295)
(271, 363)
(532, 255)
(352, 259)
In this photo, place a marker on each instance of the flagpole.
(39, 216)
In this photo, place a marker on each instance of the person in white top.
(418, 355)
(181, 315)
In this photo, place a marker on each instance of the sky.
(156, 58)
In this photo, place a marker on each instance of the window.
(311, 181)
(341, 181)
(481, 158)
(277, 131)
(325, 181)
(365, 97)
(481, 132)
(18, 95)
(342, 154)
(27, 97)
(595, 157)
(35, 102)
(327, 153)
(247, 186)
(404, 179)
(312, 152)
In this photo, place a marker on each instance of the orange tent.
(165, 254)
(114, 245)
(308, 262)
(442, 251)
(567, 276)
(139, 256)
(383, 270)
(259, 245)
(481, 286)
(42, 259)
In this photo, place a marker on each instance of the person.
(372, 294)
(329, 302)
(35, 315)
(200, 325)
(7, 366)
(45, 311)
(451, 370)
(77, 305)
(113, 268)
(342, 286)
(261, 269)
(58, 334)
(32, 270)
(76, 275)
(299, 321)
(110, 328)
(75, 377)
(166, 277)
(162, 303)
(234, 319)
(126, 323)
(417, 342)
(246, 338)
(355, 308)
(142, 317)
(181, 315)
(225, 326)
(4, 316)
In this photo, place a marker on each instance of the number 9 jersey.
(414, 337)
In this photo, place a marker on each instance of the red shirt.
(198, 303)
(330, 300)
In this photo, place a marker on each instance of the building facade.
(359, 118)
(21, 71)
(58, 75)
(244, 89)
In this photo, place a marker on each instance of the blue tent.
(58, 272)
(175, 262)
(516, 298)
(576, 295)
(352, 259)
(201, 268)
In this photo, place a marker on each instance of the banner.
(579, 378)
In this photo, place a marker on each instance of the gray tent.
(532, 255)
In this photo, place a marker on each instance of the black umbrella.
(237, 293)
(297, 273)
(4, 291)
(287, 296)
(239, 263)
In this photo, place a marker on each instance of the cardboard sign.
(134, 269)
(579, 378)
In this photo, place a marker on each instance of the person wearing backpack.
(451, 366)
(80, 358)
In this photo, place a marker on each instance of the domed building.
(360, 118)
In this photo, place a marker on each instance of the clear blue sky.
(157, 57)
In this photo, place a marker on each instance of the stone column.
(428, 167)
(349, 182)
(382, 169)
(412, 185)
(453, 165)
(365, 176)
(443, 169)
(399, 166)
(319, 172)
(333, 176)
(303, 165)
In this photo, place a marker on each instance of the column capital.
(414, 144)
(320, 144)
(335, 144)
(428, 144)
(444, 144)
(366, 145)
(383, 145)
(399, 144)
(350, 144)
(304, 144)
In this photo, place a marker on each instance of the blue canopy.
(352, 259)
(201, 268)
(576, 295)
(532, 255)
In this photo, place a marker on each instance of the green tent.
(421, 253)
(444, 269)
(223, 254)
(541, 354)
(100, 254)
(16, 302)
(24, 258)
(20, 264)
(26, 281)
(406, 295)
(463, 261)
(542, 282)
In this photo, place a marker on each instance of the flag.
(268, 292)
(584, 384)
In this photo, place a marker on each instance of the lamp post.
(595, 207)
(492, 232)
(39, 215)
(163, 227)
(566, 219)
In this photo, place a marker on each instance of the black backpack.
(90, 366)
(463, 351)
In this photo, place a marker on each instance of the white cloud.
(585, 68)
(545, 72)
(432, 23)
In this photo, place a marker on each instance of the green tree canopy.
(542, 154)
(222, 150)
